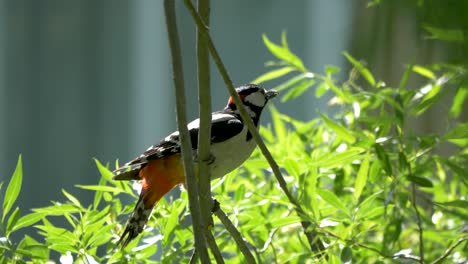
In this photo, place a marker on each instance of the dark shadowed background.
(92, 79)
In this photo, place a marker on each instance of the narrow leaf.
(298, 90)
(273, 74)
(100, 188)
(421, 181)
(284, 54)
(424, 72)
(362, 70)
(458, 101)
(383, 157)
(361, 178)
(340, 131)
(13, 188)
(28, 220)
(105, 172)
(72, 198)
(333, 200)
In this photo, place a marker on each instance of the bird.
(160, 167)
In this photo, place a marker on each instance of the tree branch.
(186, 147)
(449, 250)
(315, 243)
(204, 135)
(234, 233)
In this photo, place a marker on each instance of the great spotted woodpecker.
(160, 167)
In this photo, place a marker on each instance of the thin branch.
(418, 222)
(314, 242)
(234, 233)
(210, 240)
(199, 236)
(449, 250)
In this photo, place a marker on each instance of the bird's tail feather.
(136, 222)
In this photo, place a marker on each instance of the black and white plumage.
(231, 142)
(159, 167)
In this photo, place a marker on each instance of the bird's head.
(254, 99)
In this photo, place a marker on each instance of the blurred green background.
(84, 79)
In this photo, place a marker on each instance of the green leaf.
(346, 254)
(102, 188)
(104, 171)
(424, 72)
(321, 89)
(278, 124)
(421, 181)
(338, 159)
(284, 221)
(58, 209)
(293, 81)
(12, 220)
(298, 90)
(13, 188)
(71, 198)
(455, 203)
(330, 70)
(361, 178)
(284, 54)
(273, 74)
(28, 220)
(340, 131)
(362, 70)
(383, 157)
(333, 200)
(458, 101)
(460, 132)
(451, 35)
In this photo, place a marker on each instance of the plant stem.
(186, 147)
(234, 233)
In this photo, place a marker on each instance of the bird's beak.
(270, 94)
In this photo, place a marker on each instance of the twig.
(315, 243)
(449, 250)
(418, 222)
(194, 205)
(234, 233)
(210, 240)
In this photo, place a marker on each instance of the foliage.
(372, 185)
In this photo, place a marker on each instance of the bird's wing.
(223, 127)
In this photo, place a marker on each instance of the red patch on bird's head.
(231, 100)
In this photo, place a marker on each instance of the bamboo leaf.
(362, 70)
(361, 178)
(340, 131)
(13, 188)
(273, 74)
(333, 200)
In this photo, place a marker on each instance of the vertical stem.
(204, 135)
(194, 205)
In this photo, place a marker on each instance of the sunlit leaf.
(459, 100)
(333, 200)
(338, 159)
(13, 188)
(456, 203)
(283, 53)
(71, 198)
(28, 220)
(105, 172)
(102, 188)
(424, 71)
(297, 90)
(340, 131)
(460, 132)
(361, 178)
(273, 74)
(362, 70)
